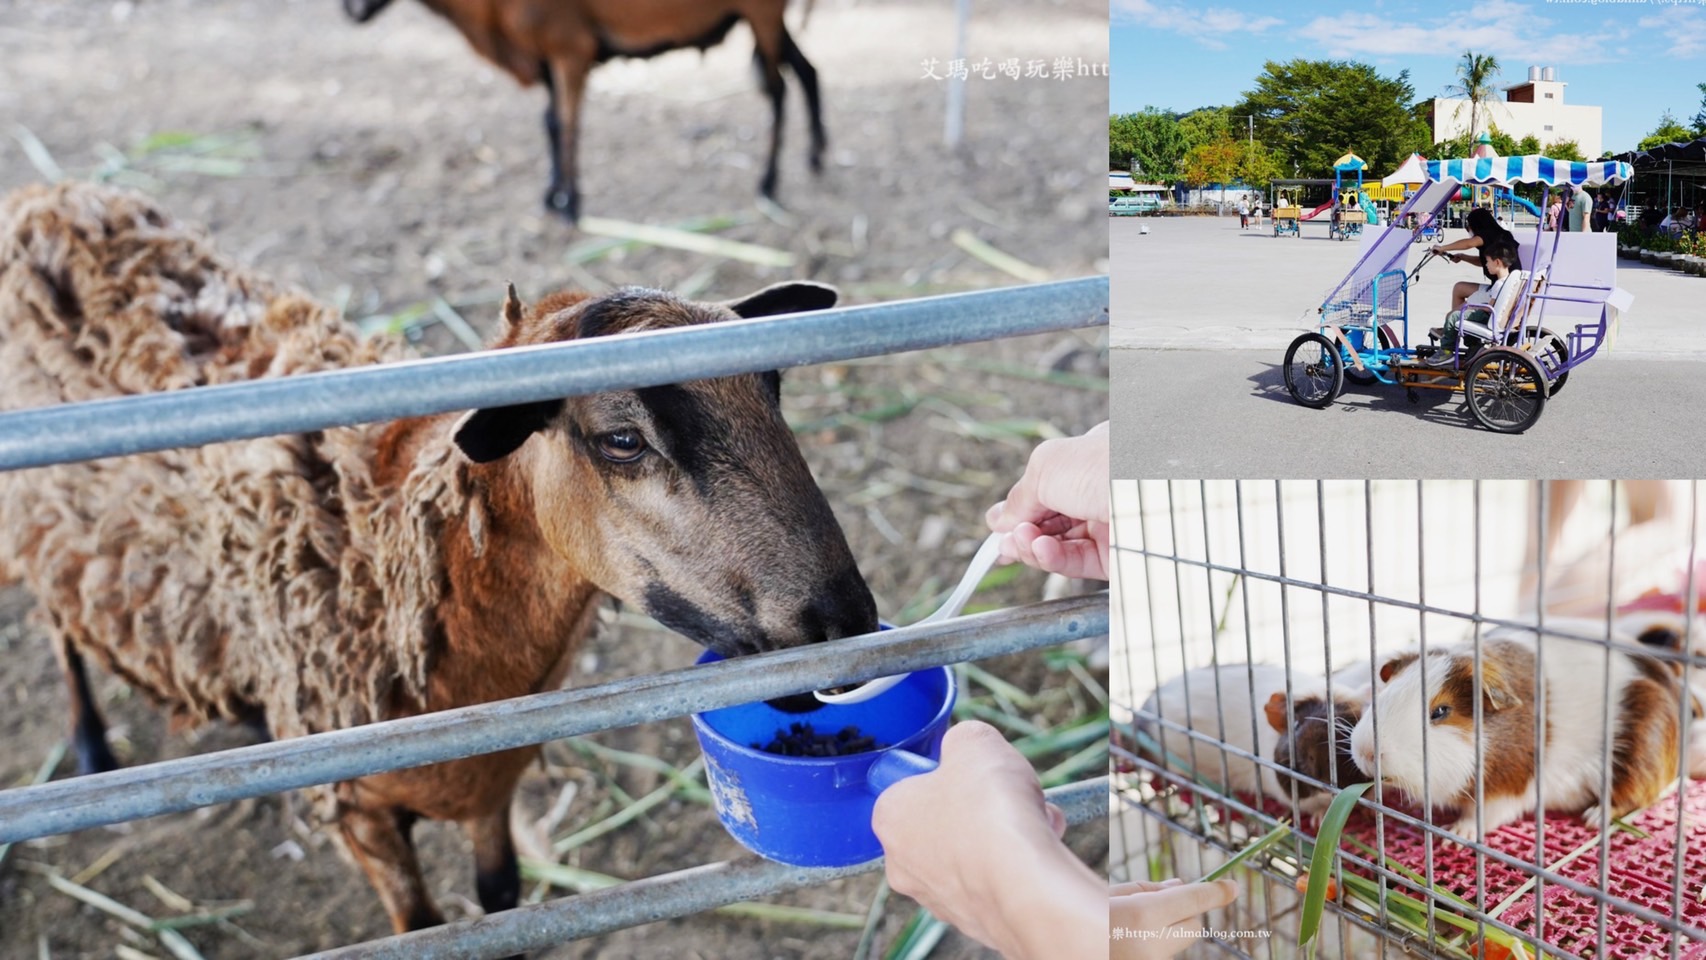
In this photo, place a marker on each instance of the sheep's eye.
(623, 446)
(1440, 712)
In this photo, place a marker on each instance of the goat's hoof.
(562, 203)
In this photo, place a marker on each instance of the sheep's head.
(690, 502)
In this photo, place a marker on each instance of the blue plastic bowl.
(816, 811)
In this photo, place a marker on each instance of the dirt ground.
(382, 167)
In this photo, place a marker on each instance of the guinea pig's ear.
(496, 432)
(1496, 685)
(794, 297)
(1391, 667)
(1663, 636)
(1275, 710)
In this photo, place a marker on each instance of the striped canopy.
(1529, 169)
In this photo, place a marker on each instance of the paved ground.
(1226, 414)
(1201, 283)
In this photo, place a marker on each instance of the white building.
(1534, 108)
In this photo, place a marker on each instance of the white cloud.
(1206, 25)
(1685, 26)
(1514, 32)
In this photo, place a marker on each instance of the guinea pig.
(1316, 745)
(1427, 703)
(1189, 700)
(1665, 630)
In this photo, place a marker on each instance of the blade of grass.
(1269, 839)
(685, 240)
(918, 938)
(1000, 718)
(873, 918)
(999, 259)
(201, 918)
(49, 764)
(1092, 757)
(37, 153)
(1063, 738)
(587, 251)
(453, 322)
(1000, 687)
(1321, 864)
(689, 784)
(172, 940)
(627, 814)
(584, 881)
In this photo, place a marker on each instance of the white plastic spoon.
(981, 563)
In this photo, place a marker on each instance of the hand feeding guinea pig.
(1430, 702)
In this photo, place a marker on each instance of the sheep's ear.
(1394, 665)
(793, 297)
(512, 310)
(497, 432)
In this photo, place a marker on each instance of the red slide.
(1323, 208)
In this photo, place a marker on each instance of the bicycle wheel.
(1506, 389)
(1358, 343)
(1314, 371)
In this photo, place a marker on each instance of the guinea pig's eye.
(622, 446)
(1440, 712)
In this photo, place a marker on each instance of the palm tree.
(1475, 84)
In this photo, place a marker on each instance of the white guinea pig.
(1428, 704)
(1189, 699)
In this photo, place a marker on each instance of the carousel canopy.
(1529, 169)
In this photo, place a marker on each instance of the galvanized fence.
(214, 414)
(1227, 594)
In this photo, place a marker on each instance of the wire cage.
(1260, 664)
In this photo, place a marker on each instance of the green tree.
(1257, 165)
(1563, 150)
(1700, 118)
(1669, 130)
(1215, 162)
(1527, 145)
(1311, 112)
(1475, 75)
(1153, 137)
(1206, 125)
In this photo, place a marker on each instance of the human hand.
(1157, 909)
(975, 843)
(1056, 516)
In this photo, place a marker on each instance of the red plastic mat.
(1641, 871)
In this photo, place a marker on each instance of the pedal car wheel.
(1314, 371)
(1506, 389)
(1363, 379)
(1553, 352)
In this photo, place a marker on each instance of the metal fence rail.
(259, 408)
(176, 785)
(657, 898)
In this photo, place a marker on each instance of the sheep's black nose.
(844, 608)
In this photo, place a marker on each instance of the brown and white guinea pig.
(1316, 744)
(1429, 702)
(1665, 630)
(1189, 699)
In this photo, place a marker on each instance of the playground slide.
(1323, 208)
(1531, 208)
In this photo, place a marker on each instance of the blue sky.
(1632, 58)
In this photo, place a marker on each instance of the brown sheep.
(350, 575)
(560, 42)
